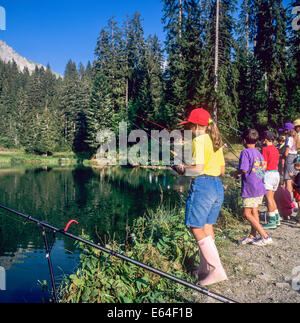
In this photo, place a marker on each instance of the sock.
(272, 214)
(201, 241)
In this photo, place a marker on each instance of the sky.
(54, 31)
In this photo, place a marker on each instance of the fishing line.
(227, 141)
(227, 126)
(13, 218)
(151, 137)
(230, 146)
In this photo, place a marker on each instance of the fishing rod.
(240, 132)
(227, 145)
(226, 125)
(153, 123)
(177, 168)
(55, 230)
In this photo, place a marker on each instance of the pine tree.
(110, 63)
(249, 74)
(69, 103)
(21, 117)
(36, 90)
(154, 65)
(174, 76)
(80, 146)
(270, 52)
(46, 129)
(190, 76)
(10, 83)
(100, 114)
(226, 96)
(71, 72)
(192, 53)
(135, 52)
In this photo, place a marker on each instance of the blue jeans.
(204, 202)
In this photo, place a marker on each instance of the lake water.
(104, 202)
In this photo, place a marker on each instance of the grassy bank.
(15, 157)
(11, 157)
(159, 239)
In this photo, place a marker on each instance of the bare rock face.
(7, 54)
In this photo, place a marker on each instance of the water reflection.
(103, 201)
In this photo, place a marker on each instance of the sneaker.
(247, 240)
(278, 219)
(263, 242)
(271, 224)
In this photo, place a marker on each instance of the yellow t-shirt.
(203, 154)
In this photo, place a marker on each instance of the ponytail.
(215, 136)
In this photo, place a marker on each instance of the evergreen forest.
(135, 74)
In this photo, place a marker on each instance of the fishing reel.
(179, 169)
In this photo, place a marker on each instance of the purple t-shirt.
(252, 161)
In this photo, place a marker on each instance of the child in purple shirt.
(252, 168)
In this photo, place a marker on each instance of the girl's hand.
(179, 169)
(236, 174)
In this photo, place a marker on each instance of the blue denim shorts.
(204, 202)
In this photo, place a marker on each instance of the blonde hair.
(296, 138)
(215, 136)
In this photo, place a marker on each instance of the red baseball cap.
(199, 116)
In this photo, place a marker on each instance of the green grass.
(11, 157)
(161, 240)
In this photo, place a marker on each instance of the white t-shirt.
(291, 144)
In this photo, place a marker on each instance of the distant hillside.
(8, 54)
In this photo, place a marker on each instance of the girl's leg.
(271, 202)
(289, 185)
(210, 270)
(274, 220)
(251, 214)
(209, 230)
(199, 233)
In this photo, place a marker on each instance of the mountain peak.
(8, 54)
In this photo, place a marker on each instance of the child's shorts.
(289, 166)
(272, 180)
(204, 202)
(252, 202)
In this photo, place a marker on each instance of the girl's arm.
(194, 170)
(287, 150)
(239, 172)
(282, 165)
(223, 170)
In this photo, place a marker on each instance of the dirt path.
(269, 274)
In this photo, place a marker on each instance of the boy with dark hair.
(252, 168)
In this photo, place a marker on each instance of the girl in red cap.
(206, 194)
